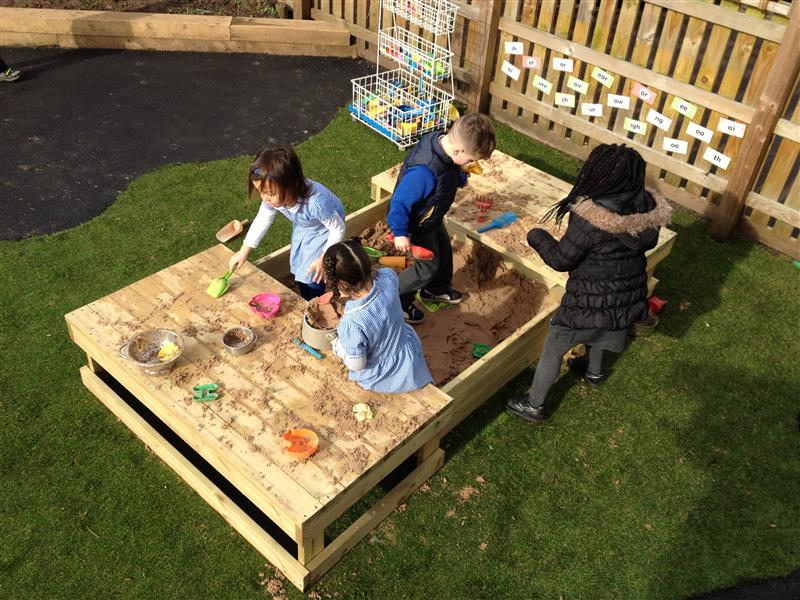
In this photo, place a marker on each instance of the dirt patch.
(467, 492)
(497, 302)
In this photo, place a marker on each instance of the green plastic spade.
(373, 253)
(219, 286)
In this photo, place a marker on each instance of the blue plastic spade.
(507, 218)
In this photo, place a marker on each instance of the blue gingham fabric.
(314, 220)
(373, 326)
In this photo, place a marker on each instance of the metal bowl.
(239, 340)
(154, 350)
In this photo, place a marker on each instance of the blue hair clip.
(258, 172)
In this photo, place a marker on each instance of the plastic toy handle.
(421, 253)
(306, 347)
(486, 228)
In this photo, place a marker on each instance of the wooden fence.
(721, 60)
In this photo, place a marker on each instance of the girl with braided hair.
(382, 351)
(613, 221)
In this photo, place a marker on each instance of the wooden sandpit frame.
(161, 299)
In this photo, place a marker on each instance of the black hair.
(610, 169)
(346, 261)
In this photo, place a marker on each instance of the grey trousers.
(549, 365)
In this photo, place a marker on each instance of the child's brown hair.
(476, 133)
(279, 166)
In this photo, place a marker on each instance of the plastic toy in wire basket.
(417, 54)
(400, 106)
(437, 16)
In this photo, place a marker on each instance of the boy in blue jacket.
(426, 187)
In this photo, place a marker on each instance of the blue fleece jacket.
(418, 183)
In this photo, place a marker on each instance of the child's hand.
(238, 259)
(316, 270)
(402, 243)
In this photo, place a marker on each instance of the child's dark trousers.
(433, 275)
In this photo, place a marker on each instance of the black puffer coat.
(604, 251)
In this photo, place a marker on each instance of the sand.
(497, 302)
(321, 316)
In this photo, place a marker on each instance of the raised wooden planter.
(150, 31)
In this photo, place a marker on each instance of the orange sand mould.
(301, 443)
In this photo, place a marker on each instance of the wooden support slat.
(787, 129)
(760, 28)
(608, 137)
(774, 96)
(301, 9)
(775, 209)
(470, 11)
(635, 72)
(207, 490)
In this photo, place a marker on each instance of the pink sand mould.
(265, 305)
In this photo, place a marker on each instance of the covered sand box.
(497, 302)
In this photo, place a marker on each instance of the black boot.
(519, 406)
(578, 365)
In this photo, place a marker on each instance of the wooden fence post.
(774, 96)
(302, 9)
(490, 19)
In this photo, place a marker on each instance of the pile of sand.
(497, 302)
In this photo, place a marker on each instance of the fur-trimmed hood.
(632, 224)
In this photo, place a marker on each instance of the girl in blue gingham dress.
(316, 214)
(381, 350)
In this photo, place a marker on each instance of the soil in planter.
(497, 302)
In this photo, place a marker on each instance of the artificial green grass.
(680, 475)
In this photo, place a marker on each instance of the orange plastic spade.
(421, 253)
(325, 298)
(301, 443)
(417, 252)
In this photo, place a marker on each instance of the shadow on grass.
(693, 275)
(744, 520)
